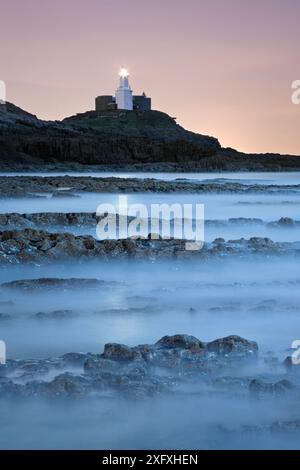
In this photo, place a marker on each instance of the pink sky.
(222, 67)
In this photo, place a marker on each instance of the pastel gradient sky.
(222, 67)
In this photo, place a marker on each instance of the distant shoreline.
(151, 168)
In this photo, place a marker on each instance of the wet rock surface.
(47, 219)
(89, 220)
(19, 186)
(232, 345)
(37, 246)
(139, 371)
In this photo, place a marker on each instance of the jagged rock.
(35, 246)
(99, 365)
(67, 385)
(232, 345)
(262, 244)
(75, 359)
(134, 372)
(258, 387)
(181, 341)
(119, 352)
(284, 222)
(219, 241)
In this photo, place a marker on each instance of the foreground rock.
(232, 345)
(38, 246)
(139, 371)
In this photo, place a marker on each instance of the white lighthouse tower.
(124, 93)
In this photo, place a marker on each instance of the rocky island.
(119, 140)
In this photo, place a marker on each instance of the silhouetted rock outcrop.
(148, 140)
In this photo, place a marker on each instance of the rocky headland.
(119, 140)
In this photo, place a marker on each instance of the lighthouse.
(124, 93)
(123, 99)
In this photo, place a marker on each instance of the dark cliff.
(120, 139)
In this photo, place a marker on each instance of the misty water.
(258, 211)
(257, 298)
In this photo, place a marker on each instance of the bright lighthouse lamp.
(123, 73)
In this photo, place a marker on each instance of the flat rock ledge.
(20, 186)
(37, 246)
(89, 220)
